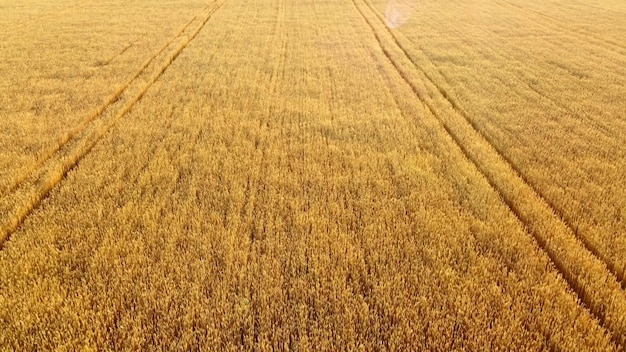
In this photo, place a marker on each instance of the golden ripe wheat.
(297, 175)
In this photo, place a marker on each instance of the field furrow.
(26, 195)
(613, 138)
(579, 264)
(58, 77)
(569, 144)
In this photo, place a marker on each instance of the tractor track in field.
(28, 192)
(458, 109)
(119, 53)
(587, 274)
(82, 125)
(611, 264)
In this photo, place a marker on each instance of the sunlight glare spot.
(398, 12)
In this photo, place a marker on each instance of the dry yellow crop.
(312, 175)
(544, 84)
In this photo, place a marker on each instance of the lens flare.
(398, 12)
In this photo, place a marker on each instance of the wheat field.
(312, 175)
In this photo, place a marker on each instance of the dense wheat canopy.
(319, 175)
